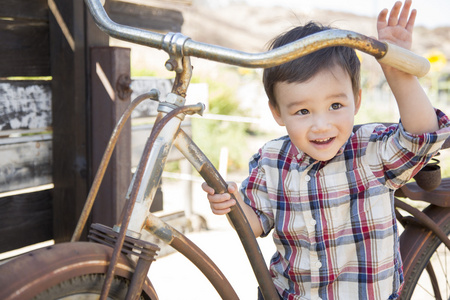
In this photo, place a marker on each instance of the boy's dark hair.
(304, 68)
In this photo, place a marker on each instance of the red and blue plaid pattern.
(333, 222)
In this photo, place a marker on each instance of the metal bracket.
(173, 44)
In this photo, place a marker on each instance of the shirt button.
(307, 178)
(299, 156)
(312, 222)
(318, 264)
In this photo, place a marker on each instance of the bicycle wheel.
(86, 287)
(72, 270)
(426, 259)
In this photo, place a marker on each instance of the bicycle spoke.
(443, 263)
(425, 290)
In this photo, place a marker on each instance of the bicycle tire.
(31, 274)
(86, 287)
(416, 254)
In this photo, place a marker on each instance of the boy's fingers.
(222, 205)
(232, 187)
(218, 198)
(381, 21)
(221, 208)
(403, 19)
(412, 19)
(220, 211)
(206, 188)
(393, 16)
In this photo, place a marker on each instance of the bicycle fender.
(32, 273)
(414, 236)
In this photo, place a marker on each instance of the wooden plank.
(143, 85)
(25, 9)
(25, 105)
(25, 219)
(24, 50)
(70, 115)
(109, 65)
(27, 161)
(25, 164)
(146, 17)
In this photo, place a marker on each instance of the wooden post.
(110, 80)
(68, 68)
(71, 33)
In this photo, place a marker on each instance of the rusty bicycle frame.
(125, 236)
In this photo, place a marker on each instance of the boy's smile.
(319, 113)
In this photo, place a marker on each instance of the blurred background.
(236, 124)
(238, 121)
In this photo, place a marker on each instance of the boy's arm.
(416, 112)
(221, 204)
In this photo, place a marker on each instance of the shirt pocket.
(345, 195)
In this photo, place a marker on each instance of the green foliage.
(212, 135)
(142, 72)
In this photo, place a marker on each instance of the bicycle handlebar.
(178, 45)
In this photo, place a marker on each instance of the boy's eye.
(303, 112)
(335, 106)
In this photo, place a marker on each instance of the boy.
(328, 192)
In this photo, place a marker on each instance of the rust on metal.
(135, 188)
(105, 235)
(416, 233)
(183, 78)
(237, 217)
(439, 196)
(186, 247)
(123, 87)
(425, 220)
(153, 94)
(51, 265)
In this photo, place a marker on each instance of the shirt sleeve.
(254, 193)
(395, 155)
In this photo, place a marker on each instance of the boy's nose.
(321, 123)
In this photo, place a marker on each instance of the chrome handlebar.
(178, 45)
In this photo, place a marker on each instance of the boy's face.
(319, 113)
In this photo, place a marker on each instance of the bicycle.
(115, 264)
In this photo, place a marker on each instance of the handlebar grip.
(405, 60)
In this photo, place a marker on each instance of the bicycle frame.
(167, 133)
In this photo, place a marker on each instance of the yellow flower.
(359, 55)
(244, 71)
(437, 60)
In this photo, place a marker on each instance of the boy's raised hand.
(416, 111)
(398, 27)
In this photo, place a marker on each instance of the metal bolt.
(123, 87)
(171, 65)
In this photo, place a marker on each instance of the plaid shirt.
(334, 224)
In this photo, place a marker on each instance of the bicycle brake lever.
(198, 108)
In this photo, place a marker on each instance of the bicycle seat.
(439, 196)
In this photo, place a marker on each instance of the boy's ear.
(276, 115)
(358, 102)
